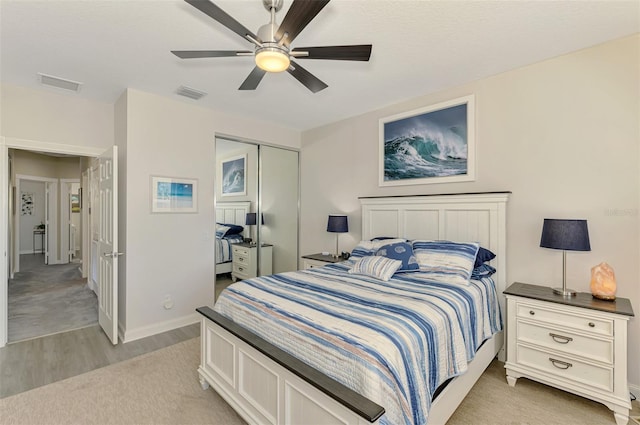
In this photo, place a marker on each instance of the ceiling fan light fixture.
(272, 59)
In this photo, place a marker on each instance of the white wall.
(562, 135)
(28, 222)
(173, 254)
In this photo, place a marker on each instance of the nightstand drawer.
(566, 342)
(566, 367)
(240, 250)
(240, 270)
(582, 322)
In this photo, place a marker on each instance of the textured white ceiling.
(419, 47)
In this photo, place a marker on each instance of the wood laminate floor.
(36, 362)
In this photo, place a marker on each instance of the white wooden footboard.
(265, 385)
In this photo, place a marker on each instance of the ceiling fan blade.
(360, 52)
(254, 78)
(210, 9)
(194, 54)
(298, 17)
(306, 78)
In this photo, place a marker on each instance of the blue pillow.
(483, 270)
(402, 251)
(483, 256)
(223, 230)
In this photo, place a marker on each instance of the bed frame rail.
(283, 390)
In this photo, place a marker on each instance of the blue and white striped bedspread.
(393, 342)
(223, 248)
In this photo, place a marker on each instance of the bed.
(231, 213)
(267, 384)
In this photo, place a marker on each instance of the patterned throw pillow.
(379, 267)
(402, 251)
(365, 248)
(449, 262)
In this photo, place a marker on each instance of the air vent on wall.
(61, 83)
(190, 92)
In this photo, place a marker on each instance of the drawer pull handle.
(563, 365)
(592, 325)
(240, 259)
(241, 269)
(531, 312)
(560, 339)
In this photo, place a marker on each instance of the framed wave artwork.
(435, 144)
(234, 176)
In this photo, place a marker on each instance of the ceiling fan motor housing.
(273, 4)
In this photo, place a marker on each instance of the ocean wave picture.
(233, 176)
(428, 145)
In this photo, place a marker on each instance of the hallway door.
(108, 243)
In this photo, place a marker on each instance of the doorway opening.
(48, 287)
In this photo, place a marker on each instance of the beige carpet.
(162, 388)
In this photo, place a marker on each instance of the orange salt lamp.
(603, 282)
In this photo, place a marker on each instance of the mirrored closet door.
(256, 207)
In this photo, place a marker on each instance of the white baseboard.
(635, 389)
(144, 331)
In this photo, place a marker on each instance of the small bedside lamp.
(250, 220)
(567, 235)
(337, 224)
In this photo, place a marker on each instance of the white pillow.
(446, 261)
(375, 266)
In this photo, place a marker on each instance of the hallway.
(44, 300)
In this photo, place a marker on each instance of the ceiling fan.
(273, 52)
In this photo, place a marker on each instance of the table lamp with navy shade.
(251, 220)
(567, 235)
(337, 224)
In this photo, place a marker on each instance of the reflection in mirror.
(236, 195)
(279, 206)
(257, 189)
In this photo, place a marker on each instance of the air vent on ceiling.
(190, 92)
(61, 83)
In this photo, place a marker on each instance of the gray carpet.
(48, 299)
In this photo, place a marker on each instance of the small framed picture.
(174, 195)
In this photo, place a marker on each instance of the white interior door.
(108, 243)
(47, 224)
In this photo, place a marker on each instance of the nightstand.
(318, 260)
(576, 344)
(245, 260)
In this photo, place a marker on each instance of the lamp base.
(564, 292)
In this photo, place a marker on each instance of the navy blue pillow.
(483, 270)
(402, 251)
(232, 229)
(483, 256)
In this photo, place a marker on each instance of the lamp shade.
(337, 224)
(251, 219)
(568, 235)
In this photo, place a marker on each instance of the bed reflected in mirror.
(252, 181)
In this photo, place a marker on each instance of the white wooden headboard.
(232, 212)
(477, 217)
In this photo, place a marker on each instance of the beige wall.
(173, 254)
(563, 135)
(47, 116)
